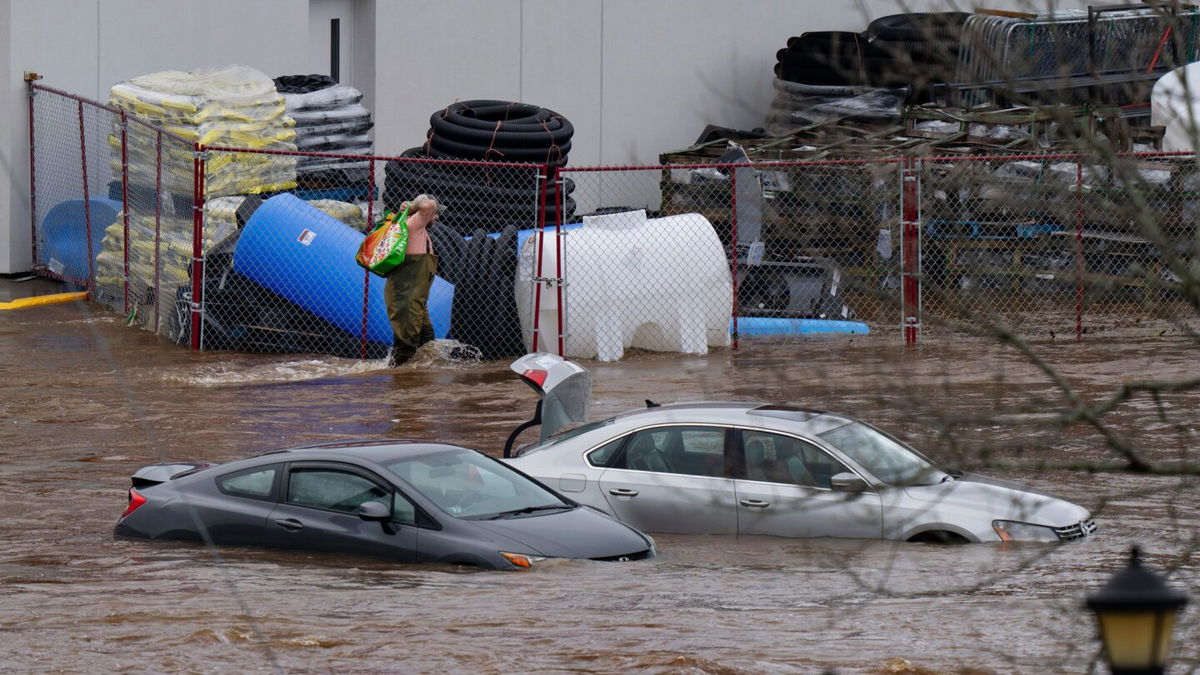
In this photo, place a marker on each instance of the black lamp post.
(1136, 613)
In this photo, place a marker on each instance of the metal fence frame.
(904, 194)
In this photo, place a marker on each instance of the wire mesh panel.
(71, 184)
(1054, 244)
(236, 248)
(1129, 43)
(686, 257)
(627, 274)
(144, 266)
(832, 244)
(814, 240)
(280, 268)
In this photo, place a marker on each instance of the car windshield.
(466, 484)
(565, 436)
(887, 459)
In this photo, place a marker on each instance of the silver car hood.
(579, 533)
(997, 499)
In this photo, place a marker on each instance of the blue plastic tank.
(62, 237)
(299, 252)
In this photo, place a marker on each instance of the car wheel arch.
(944, 533)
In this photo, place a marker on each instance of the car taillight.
(135, 500)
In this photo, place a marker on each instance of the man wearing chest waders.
(407, 289)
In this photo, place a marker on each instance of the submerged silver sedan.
(748, 468)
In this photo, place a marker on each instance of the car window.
(332, 489)
(886, 458)
(467, 484)
(566, 436)
(604, 455)
(403, 511)
(775, 458)
(695, 451)
(257, 483)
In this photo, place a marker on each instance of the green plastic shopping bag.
(383, 249)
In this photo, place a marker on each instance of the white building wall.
(636, 77)
(86, 46)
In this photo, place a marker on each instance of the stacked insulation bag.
(223, 218)
(329, 117)
(234, 106)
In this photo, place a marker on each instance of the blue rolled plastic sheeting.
(769, 325)
(62, 238)
(306, 256)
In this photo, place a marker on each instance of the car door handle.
(755, 503)
(290, 524)
(623, 492)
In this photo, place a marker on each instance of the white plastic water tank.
(661, 284)
(1175, 106)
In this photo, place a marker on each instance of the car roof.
(780, 416)
(373, 449)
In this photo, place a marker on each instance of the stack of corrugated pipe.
(864, 76)
(481, 197)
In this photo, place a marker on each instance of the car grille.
(1077, 531)
(640, 555)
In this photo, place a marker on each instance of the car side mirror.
(378, 512)
(847, 482)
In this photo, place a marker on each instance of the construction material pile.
(234, 106)
(864, 76)
(329, 118)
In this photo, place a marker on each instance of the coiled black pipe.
(488, 197)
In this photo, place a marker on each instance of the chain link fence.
(251, 248)
(686, 257)
(279, 270)
(1058, 244)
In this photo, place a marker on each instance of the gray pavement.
(17, 286)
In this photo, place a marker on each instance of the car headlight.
(1010, 530)
(521, 559)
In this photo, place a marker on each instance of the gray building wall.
(635, 77)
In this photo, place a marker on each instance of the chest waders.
(406, 293)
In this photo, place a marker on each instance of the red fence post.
(1080, 267)
(362, 346)
(537, 273)
(125, 208)
(197, 242)
(157, 226)
(558, 261)
(29, 80)
(87, 202)
(733, 252)
(910, 251)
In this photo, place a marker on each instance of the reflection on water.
(88, 401)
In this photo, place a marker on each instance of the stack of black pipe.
(487, 197)
(913, 50)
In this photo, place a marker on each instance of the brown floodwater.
(88, 400)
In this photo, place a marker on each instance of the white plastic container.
(660, 284)
(1176, 108)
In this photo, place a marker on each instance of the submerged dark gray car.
(405, 501)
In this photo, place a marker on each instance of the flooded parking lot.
(89, 400)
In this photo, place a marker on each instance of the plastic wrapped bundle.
(329, 117)
(234, 106)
